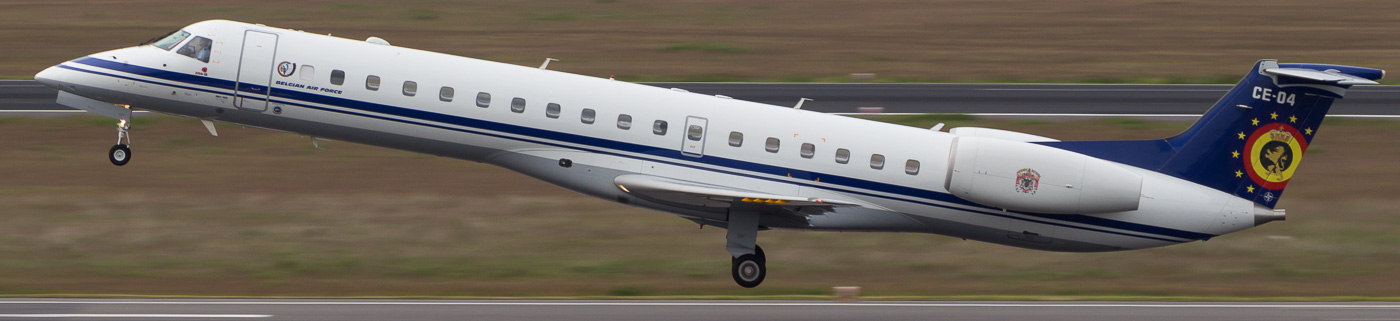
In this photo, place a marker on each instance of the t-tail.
(1250, 144)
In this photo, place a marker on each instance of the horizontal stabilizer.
(699, 194)
(1325, 77)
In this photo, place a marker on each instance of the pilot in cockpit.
(197, 48)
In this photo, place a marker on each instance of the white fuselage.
(536, 141)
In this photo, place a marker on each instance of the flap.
(693, 193)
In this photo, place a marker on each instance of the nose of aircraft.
(49, 77)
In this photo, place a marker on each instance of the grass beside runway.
(259, 213)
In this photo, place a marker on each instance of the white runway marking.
(750, 304)
(181, 316)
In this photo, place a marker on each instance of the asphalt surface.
(508, 310)
(926, 98)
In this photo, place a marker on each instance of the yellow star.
(1307, 131)
(1239, 174)
(1235, 154)
(1292, 119)
(1273, 115)
(1249, 189)
(1241, 135)
(1255, 121)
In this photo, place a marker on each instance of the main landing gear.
(748, 263)
(121, 153)
(750, 269)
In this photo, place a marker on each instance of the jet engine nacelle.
(1035, 178)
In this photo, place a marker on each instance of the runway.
(507, 310)
(1034, 99)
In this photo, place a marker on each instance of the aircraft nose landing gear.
(121, 153)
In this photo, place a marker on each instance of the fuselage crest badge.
(1027, 181)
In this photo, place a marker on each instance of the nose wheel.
(120, 154)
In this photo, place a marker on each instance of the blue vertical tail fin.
(1251, 142)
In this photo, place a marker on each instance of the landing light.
(624, 188)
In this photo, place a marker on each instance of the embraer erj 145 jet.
(733, 164)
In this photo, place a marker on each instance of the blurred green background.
(262, 213)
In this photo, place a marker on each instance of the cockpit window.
(197, 48)
(171, 40)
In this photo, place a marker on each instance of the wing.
(713, 196)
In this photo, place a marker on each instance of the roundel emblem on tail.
(286, 68)
(1272, 154)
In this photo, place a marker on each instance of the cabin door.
(693, 142)
(255, 70)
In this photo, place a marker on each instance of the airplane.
(742, 166)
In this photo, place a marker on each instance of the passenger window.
(588, 116)
(308, 72)
(446, 93)
(552, 110)
(808, 150)
(771, 145)
(337, 77)
(483, 99)
(736, 139)
(911, 167)
(694, 132)
(843, 155)
(410, 88)
(517, 105)
(372, 83)
(197, 48)
(877, 161)
(658, 127)
(624, 121)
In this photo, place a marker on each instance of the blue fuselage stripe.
(665, 155)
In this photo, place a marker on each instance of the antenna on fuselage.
(545, 65)
(210, 126)
(799, 103)
(377, 41)
(314, 143)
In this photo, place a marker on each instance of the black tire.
(758, 251)
(748, 270)
(119, 155)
